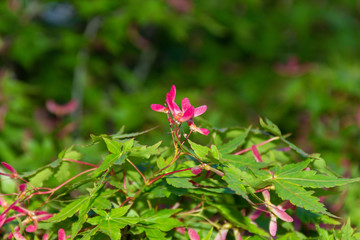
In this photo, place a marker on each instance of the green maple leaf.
(234, 143)
(243, 162)
(290, 181)
(161, 220)
(232, 177)
(200, 151)
(111, 223)
(145, 151)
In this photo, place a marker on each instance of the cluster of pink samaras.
(29, 218)
(185, 114)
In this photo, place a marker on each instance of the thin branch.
(137, 170)
(157, 178)
(258, 145)
(80, 162)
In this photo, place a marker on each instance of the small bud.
(22, 187)
(196, 170)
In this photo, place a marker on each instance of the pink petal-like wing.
(256, 153)
(221, 235)
(158, 108)
(174, 108)
(203, 131)
(172, 93)
(21, 210)
(237, 234)
(18, 236)
(193, 235)
(61, 234)
(286, 205)
(281, 214)
(257, 213)
(8, 167)
(180, 230)
(45, 217)
(200, 110)
(185, 104)
(273, 226)
(2, 219)
(31, 228)
(188, 114)
(61, 110)
(45, 236)
(266, 195)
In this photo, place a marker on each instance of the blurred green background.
(295, 62)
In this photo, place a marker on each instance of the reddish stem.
(61, 185)
(258, 145)
(137, 170)
(157, 178)
(76, 161)
(124, 179)
(126, 200)
(187, 137)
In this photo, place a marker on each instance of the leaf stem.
(157, 178)
(257, 145)
(80, 162)
(61, 185)
(137, 170)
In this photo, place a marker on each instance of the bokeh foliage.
(238, 57)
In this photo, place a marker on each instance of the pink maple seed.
(159, 108)
(185, 104)
(2, 220)
(9, 167)
(31, 228)
(237, 234)
(187, 115)
(200, 110)
(172, 93)
(45, 236)
(257, 213)
(61, 110)
(193, 235)
(196, 170)
(221, 235)
(273, 225)
(61, 234)
(281, 214)
(180, 230)
(203, 131)
(173, 107)
(17, 234)
(45, 217)
(256, 153)
(21, 210)
(266, 196)
(194, 128)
